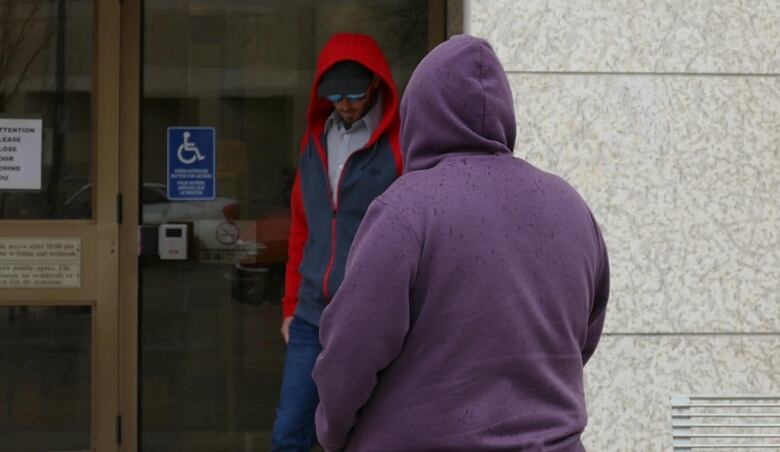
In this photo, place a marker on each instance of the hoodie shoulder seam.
(409, 228)
(405, 220)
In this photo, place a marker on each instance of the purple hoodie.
(475, 290)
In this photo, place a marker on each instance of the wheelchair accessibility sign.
(191, 163)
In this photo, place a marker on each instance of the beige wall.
(666, 116)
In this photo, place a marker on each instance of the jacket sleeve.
(599, 308)
(299, 233)
(363, 328)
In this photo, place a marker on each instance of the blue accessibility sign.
(191, 163)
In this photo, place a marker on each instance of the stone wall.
(666, 117)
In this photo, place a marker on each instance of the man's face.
(351, 111)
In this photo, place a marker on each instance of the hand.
(286, 329)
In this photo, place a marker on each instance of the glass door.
(58, 225)
(229, 81)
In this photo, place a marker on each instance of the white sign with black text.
(40, 262)
(20, 154)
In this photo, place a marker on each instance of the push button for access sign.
(191, 163)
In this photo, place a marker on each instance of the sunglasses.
(336, 98)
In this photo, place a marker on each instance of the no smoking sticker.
(227, 233)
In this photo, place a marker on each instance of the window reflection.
(211, 352)
(45, 378)
(46, 74)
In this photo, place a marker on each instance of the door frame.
(129, 131)
(109, 241)
(99, 235)
(106, 155)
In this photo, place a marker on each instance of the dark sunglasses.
(336, 98)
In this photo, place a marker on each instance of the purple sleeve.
(363, 328)
(599, 308)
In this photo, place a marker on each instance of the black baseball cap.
(345, 77)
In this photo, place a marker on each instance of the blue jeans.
(294, 425)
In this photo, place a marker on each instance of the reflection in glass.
(211, 352)
(44, 378)
(46, 74)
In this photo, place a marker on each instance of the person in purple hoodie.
(475, 290)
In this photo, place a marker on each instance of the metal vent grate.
(733, 423)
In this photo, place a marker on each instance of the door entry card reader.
(172, 241)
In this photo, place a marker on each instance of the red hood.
(364, 50)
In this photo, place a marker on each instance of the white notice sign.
(20, 154)
(39, 263)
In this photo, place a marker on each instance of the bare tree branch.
(11, 46)
(24, 29)
(29, 63)
(5, 36)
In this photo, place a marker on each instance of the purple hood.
(475, 289)
(457, 101)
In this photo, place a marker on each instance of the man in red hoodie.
(350, 153)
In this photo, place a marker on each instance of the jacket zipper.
(329, 269)
(334, 207)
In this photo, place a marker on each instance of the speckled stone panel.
(630, 380)
(455, 19)
(691, 36)
(683, 174)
